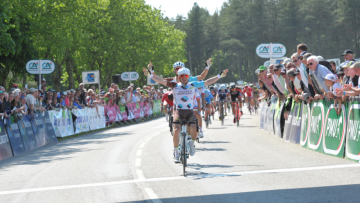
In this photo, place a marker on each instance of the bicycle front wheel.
(183, 153)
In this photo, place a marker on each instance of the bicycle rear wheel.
(183, 152)
(222, 114)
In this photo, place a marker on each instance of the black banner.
(16, 141)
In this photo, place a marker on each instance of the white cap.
(331, 77)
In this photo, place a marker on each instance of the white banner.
(62, 122)
(82, 120)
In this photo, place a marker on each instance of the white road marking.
(142, 145)
(140, 175)
(138, 162)
(138, 153)
(154, 198)
(141, 178)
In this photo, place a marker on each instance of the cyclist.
(184, 95)
(208, 98)
(235, 92)
(221, 97)
(214, 93)
(167, 101)
(255, 95)
(248, 92)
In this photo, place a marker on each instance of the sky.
(171, 8)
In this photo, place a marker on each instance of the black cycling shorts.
(234, 96)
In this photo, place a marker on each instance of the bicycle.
(208, 117)
(237, 114)
(184, 143)
(249, 105)
(222, 112)
(256, 105)
(169, 111)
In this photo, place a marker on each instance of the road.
(134, 164)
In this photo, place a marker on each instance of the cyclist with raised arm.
(184, 95)
(221, 97)
(235, 93)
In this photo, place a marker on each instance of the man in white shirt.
(300, 66)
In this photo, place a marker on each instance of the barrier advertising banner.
(81, 122)
(296, 124)
(277, 118)
(334, 131)
(305, 124)
(5, 147)
(14, 135)
(27, 133)
(62, 122)
(287, 128)
(262, 114)
(123, 112)
(352, 142)
(316, 126)
(110, 113)
(49, 129)
(39, 131)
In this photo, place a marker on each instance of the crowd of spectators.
(25, 101)
(307, 77)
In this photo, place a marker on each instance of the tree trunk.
(70, 69)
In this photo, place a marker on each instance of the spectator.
(351, 77)
(301, 48)
(136, 96)
(30, 100)
(348, 55)
(276, 69)
(300, 66)
(82, 95)
(333, 66)
(76, 103)
(43, 81)
(296, 82)
(319, 71)
(330, 81)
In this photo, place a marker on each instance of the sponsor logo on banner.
(268, 50)
(305, 124)
(352, 140)
(316, 126)
(334, 133)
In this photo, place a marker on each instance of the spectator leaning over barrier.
(330, 81)
(340, 75)
(55, 104)
(76, 103)
(351, 77)
(291, 74)
(23, 106)
(266, 94)
(319, 71)
(47, 103)
(300, 66)
(136, 96)
(30, 100)
(348, 90)
(295, 85)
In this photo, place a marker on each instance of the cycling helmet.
(179, 63)
(216, 87)
(211, 87)
(222, 87)
(227, 86)
(245, 83)
(170, 97)
(232, 86)
(184, 71)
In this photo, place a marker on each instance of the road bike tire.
(183, 153)
(222, 114)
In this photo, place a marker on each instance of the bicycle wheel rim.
(184, 153)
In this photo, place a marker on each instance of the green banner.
(352, 141)
(334, 130)
(316, 126)
(305, 124)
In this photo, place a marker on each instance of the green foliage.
(328, 27)
(78, 35)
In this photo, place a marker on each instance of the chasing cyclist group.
(190, 96)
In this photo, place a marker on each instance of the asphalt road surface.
(134, 164)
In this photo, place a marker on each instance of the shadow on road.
(213, 142)
(341, 193)
(66, 148)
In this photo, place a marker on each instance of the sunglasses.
(310, 64)
(289, 66)
(301, 58)
(269, 78)
(295, 60)
(184, 76)
(276, 69)
(283, 73)
(262, 71)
